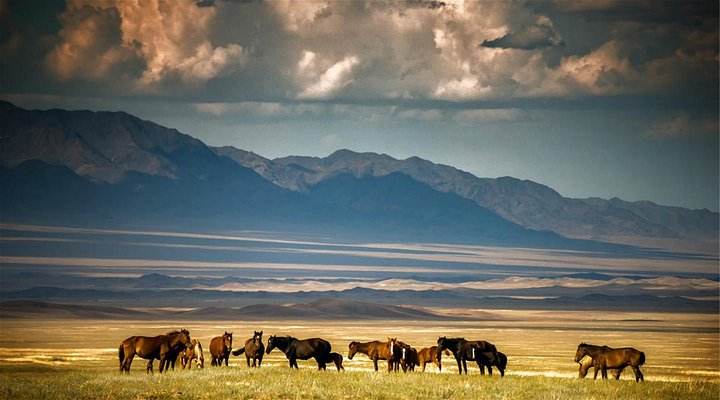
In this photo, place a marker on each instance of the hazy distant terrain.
(188, 270)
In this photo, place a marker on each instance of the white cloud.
(331, 80)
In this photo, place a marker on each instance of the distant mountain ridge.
(524, 202)
(109, 168)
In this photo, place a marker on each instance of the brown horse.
(220, 348)
(162, 347)
(193, 353)
(254, 348)
(607, 358)
(586, 361)
(376, 351)
(488, 359)
(337, 359)
(430, 355)
(465, 350)
(296, 349)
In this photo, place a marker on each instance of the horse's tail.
(238, 351)
(642, 358)
(121, 354)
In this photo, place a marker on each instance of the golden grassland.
(78, 359)
(283, 383)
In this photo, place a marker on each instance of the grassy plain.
(78, 359)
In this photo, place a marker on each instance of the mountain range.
(111, 168)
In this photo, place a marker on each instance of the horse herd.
(176, 345)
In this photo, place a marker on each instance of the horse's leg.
(481, 368)
(618, 372)
(227, 359)
(464, 364)
(149, 368)
(423, 364)
(489, 370)
(459, 363)
(604, 371)
(638, 374)
(596, 371)
(247, 360)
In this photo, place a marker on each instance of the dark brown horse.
(586, 362)
(254, 349)
(464, 350)
(408, 357)
(162, 347)
(305, 349)
(429, 355)
(376, 351)
(607, 358)
(220, 348)
(489, 359)
(337, 359)
(193, 353)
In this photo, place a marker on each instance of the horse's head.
(582, 351)
(441, 346)
(257, 337)
(271, 344)
(184, 338)
(227, 340)
(352, 349)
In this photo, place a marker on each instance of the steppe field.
(74, 359)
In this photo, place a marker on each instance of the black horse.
(465, 350)
(305, 349)
(489, 359)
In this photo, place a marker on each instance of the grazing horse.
(337, 359)
(605, 358)
(375, 350)
(254, 348)
(464, 350)
(489, 359)
(220, 347)
(295, 349)
(162, 347)
(193, 353)
(430, 355)
(586, 361)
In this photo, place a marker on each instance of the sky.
(605, 98)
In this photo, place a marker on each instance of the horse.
(220, 347)
(337, 359)
(608, 358)
(295, 349)
(375, 350)
(194, 352)
(408, 357)
(429, 355)
(162, 347)
(464, 350)
(489, 359)
(586, 361)
(254, 348)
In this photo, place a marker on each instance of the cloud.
(330, 81)
(90, 45)
(538, 35)
(369, 52)
(490, 115)
(169, 39)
